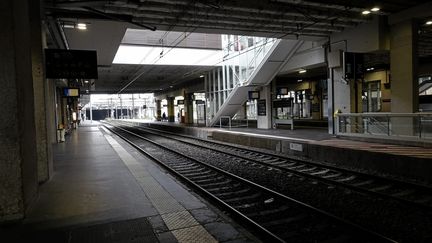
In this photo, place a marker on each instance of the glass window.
(373, 96)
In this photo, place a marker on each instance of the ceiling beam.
(230, 7)
(235, 17)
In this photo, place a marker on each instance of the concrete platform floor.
(103, 190)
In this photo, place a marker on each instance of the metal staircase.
(260, 72)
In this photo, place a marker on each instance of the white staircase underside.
(275, 59)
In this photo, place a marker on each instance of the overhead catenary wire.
(138, 75)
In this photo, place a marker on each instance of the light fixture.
(171, 86)
(370, 69)
(302, 71)
(81, 26)
(86, 81)
(68, 26)
(366, 12)
(375, 9)
(299, 80)
(429, 22)
(201, 76)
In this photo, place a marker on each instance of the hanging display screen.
(70, 64)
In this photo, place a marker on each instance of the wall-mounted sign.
(261, 107)
(69, 64)
(199, 102)
(180, 102)
(254, 95)
(282, 91)
(296, 147)
(71, 92)
(354, 65)
(316, 107)
(282, 103)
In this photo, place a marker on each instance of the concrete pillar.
(188, 108)
(403, 67)
(170, 106)
(43, 146)
(18, 153)
(265, 121)
(404, 83)
(158, 110)
(338, 92)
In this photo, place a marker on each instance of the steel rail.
(248, 182)
(311, 176)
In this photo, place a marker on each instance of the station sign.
(282, 91)
(71, 64)
(262, 111)
(282, 103)
(254, 95)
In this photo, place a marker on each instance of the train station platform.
(373, 155)
(103, 190)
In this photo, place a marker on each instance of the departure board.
(69, 64)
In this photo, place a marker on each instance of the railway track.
(405, 192)
(274, 216)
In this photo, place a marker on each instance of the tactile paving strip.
(196, 234)
(179, 220)
(175, 216)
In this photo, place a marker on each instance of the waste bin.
(60, 134)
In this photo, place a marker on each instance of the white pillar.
(91, 110)
(264, 121)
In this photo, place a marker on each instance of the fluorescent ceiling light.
(81, 26)
(429, 22)
(201, 76)
(69, 26)
(366, 12)
(375, 9)
(148, 55)
(302, 71)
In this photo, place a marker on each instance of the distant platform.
(376, 156)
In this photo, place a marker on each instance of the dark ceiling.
(309, 20)
(276, 18)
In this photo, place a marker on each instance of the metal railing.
(416, 126)
(228, 122)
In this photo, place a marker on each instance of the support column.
(403, 66)
(158, 110)
(170, 106)
(338, 95)
(264, 120)
(404, 82)
(43, 146)
(18, 167)
(188, 108)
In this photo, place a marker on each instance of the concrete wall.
(305, 59)
(378, 163)
(18, 167)
(366, 37)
